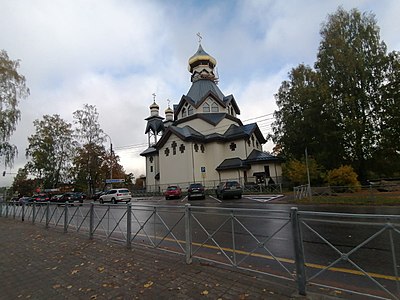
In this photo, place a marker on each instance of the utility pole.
(308, 175)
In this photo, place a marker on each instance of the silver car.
(116, 195)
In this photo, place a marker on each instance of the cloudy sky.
(115, 54)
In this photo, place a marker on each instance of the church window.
(206, 107)
(252, 140)
(202, 148)
(232, 111)
(248, 142)
(196, 147)
(232, 146)
(257, 144)
(151, 159)
(166, 152)
(182, 148)
(174, 145)
(214, 107)
(190, 110)
(183, 112)
(151, 168)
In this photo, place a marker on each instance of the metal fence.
(306, 248)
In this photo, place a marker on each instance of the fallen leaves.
(148, 284)
(204, 293)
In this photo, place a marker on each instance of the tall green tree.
(12, 90)
(352, 60)
(341, 109)
(51, 150)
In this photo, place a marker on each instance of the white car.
(116, 195)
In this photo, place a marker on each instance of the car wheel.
(240, 197)
(113, 201)
(166, 198)
(101, 201)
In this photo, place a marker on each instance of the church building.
(201, 139)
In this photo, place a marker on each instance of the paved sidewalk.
(36, 263)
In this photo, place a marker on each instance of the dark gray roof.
(201, 88)
(260, 156)
(150, 150)
(154, 124)
(232, 163)
(186, 132)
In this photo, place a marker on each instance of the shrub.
(343, 179)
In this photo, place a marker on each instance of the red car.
(173, 191)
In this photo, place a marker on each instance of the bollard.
(33, 212)
(298, 252)
(129, 226)
(91, 221)
(23, 212)
(14, 210)
(66, 217)
(6, 210)
(47, 214)
(188, 234)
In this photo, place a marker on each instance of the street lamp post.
(111, 157)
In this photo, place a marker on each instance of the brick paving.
(39, 263)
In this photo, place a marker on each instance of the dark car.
(196, 190)
(229, 189)
(97, 195)
(41, 198)
(173, 191)
(69, 197)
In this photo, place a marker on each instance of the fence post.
(188, 234)
(298, 251)
(66, 217)
(33, 212)
(129, 226)
(14, 210)
(23, 212)
(1, 209)
(47, 214)
(7, 210)
(91, 221)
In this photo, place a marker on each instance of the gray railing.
(306, 248)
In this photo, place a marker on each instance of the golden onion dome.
(154, 105)
(201, 55)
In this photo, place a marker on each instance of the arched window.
(183, 112)
(206, 107)
(214, 107)
(190, 110)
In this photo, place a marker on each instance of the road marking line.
(264, 198)
(288, 260)
(184, 199)
(215, 199)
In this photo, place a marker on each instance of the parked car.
(97, 195)
(229, 189)
(116, 195)
(69, 197)
(173, 191)
(41, 198)
(196, 190)
(24, 200)
(55, 198)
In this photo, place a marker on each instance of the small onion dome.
(169, 110)
(154, 106)
(201, 57)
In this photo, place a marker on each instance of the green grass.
(353, 199)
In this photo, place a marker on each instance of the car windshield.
(196, 186)
(123, 191)
(172, 188)
(232, 183)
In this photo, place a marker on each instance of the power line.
(141, 146)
